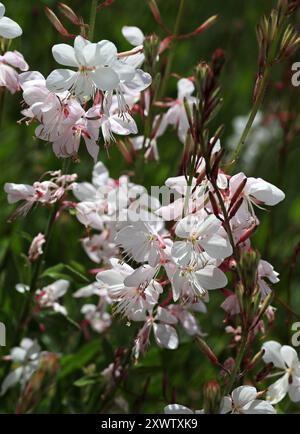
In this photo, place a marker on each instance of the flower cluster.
(158, 253)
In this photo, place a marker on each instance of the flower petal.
(133, 34)
(9, 29)
(105, 78)
(64, 54)
(277, 391)
(165, 336)
(177, 409)
(60, 80)
(273, 354)
(243, 395)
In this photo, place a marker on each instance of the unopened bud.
(208, 23)
(212, 397)
(56, 22)
(69, 13)
(206, 350)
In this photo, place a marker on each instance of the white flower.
(243, 400)
(165, 334)
(134, 291)
(22, 288)
(26, 357)
(256, 192)
(48, 296)
(142, 242)
(196, 277)
(286, 360)
(265, 271)
(94, 68)
(9, 29)
(201, 233)
(176, 115)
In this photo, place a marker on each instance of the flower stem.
(92, 21)
(2, 98)
(171, 55)
(256, 106)
(236, 369)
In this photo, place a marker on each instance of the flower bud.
(212, 397)
(248, 263)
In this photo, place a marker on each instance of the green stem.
(92, 20)
(236, 369)
(2, 99)
(256, 106)
(171, 55)
(37, 268)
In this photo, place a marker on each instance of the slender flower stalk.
(171, 54)
(92, 22)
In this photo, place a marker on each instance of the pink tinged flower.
(201, 233)
(98, 319)
(133, 291)
(285, 359)
(186, 317)
(94, 68)
(231, 305)
(16, 192)
(48, 296)
(9, 29)
(76, 125)
(196, 278)
(243, 400)
(36, 247)
(9, 76)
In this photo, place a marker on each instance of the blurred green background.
(24, 159)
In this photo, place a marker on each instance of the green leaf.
(74, 362)
(88, 380)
